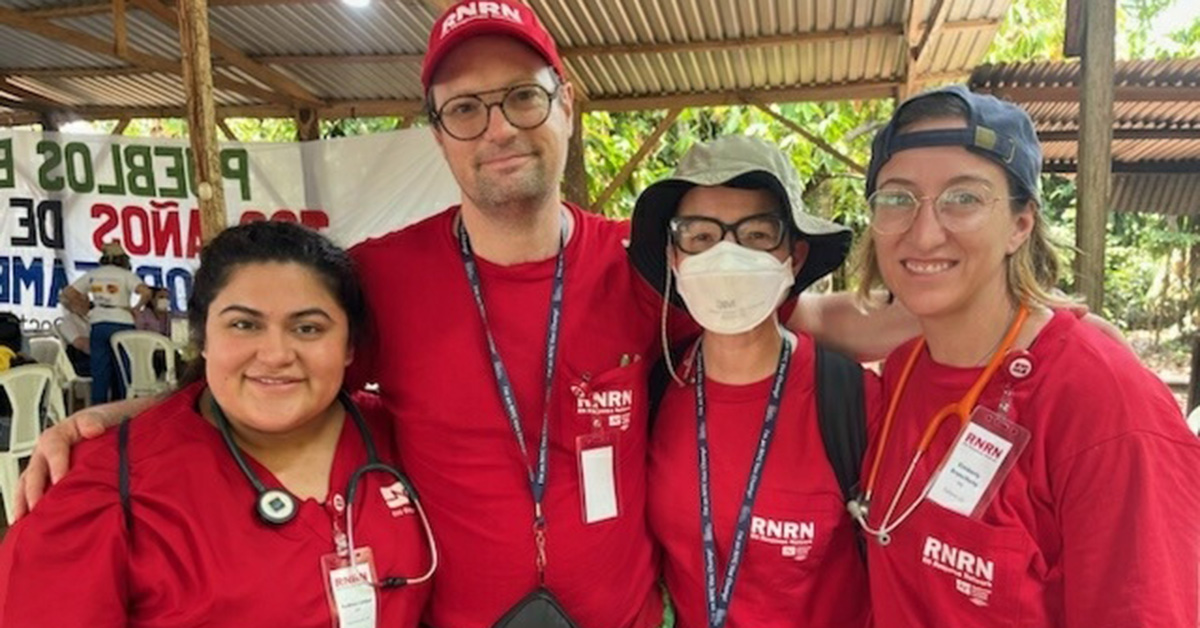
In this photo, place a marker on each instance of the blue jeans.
(105, 376)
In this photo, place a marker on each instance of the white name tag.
(597, 466)
(351, 596)
(982, 456)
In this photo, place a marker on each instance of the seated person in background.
(110, 288)
(74, 330)
(155, 316)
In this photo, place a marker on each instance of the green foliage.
(1033, 29)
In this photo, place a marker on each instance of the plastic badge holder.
(983, 454)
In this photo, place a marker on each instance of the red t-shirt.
(801, 566)
(1097, 525)
(197, 554)
(431, 361)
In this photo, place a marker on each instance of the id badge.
(352, 599)
(597, 456)
(982, 456)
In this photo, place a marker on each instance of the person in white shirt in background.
(110, 288)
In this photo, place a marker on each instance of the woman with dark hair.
(258, 494)
(1028, 472)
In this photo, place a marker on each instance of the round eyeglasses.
(525, 106)
(959, 208)
(697, 234)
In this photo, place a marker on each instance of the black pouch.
(539, 609)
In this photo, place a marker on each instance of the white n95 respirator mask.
(730, 289)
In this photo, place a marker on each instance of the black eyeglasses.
(697, 234)
(525, 106)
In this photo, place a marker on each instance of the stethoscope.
(276, 506)
(961, 410)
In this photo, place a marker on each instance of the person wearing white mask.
(743, 496)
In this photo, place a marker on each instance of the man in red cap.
(513, 354)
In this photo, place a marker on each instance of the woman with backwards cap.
(1028, 470)
(742, 496)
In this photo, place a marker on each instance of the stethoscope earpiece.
(275, 507)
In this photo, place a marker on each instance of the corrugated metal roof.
(622, 53)
(21, 49)
(1156, 110)
(1157, 192)
(1156, 125)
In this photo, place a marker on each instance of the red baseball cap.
(471, 18)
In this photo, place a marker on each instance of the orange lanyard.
(962, 410)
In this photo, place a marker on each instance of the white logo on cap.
(472, 11)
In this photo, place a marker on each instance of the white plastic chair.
(27, 388)
(45, 349)
(1193, 421)
(78, 386)
(140, 378)
(51, 351)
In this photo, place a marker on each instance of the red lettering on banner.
(315, 219)
(110, 222)
(165, 219)
(136, 238)
(195, 241)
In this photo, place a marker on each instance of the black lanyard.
(537, 478)
(718, 602)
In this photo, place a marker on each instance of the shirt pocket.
(612, 402)
(966, 567)
(791, 533)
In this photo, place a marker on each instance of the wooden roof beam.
(25, 95)
(235, 57)
(1125, 134)
(850, 91)
(332, 110)
(815, 139)
(96, 8)
(1070, 93)
(648, 144)
(917, 55)
(83, 41)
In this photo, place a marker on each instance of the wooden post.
(308, 125)
(575, 187)
(647, 145)
(1095, 149)
(122, 124)
(1194, 378)
(201, 115)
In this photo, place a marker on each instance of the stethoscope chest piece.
(275, 506)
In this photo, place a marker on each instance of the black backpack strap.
(123, 473)
(842, 416)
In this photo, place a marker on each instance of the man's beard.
(526, 186)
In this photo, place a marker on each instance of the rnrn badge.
(974, 576)
(794, 538)
(608, 409)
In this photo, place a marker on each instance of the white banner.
(62, 196)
